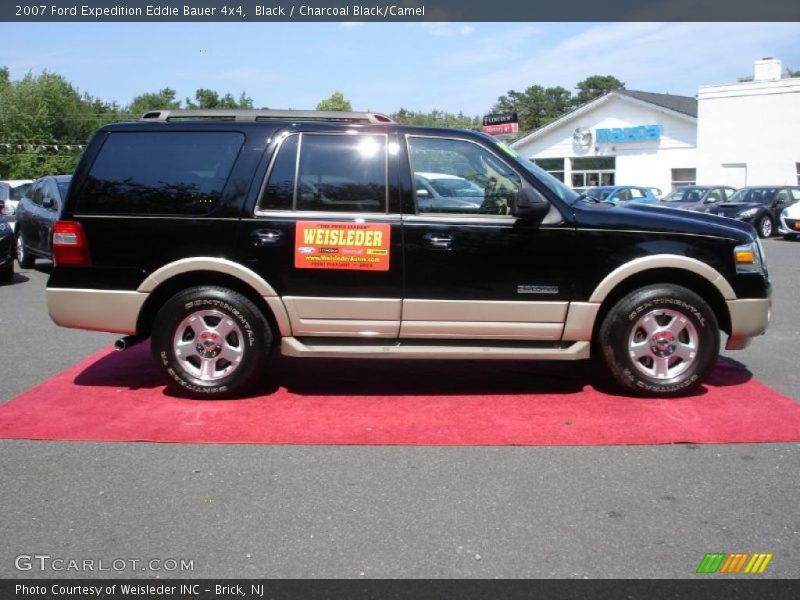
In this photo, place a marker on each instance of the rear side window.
(160, 173)
(331, 173)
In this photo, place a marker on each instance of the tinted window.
(754, 195)
(160, 172)
(279, 191)
(344, 173)
(18, 192)
(37, 194)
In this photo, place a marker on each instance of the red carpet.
(115, 396)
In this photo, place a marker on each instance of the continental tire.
(661, 340)
(211, 342)
(25, 259)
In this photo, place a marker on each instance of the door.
(28, 215)
(326, 234)
(51, 205)
(479, 273)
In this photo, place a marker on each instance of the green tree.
(336, 101)
(437, 118)
(43, 122)
(162, 99)
(536, 106)
(205, 98)
(594, 86)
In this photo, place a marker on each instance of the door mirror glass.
(48, 203)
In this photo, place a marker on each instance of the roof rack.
(223, 114)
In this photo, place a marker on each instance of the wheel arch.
(171, 279)
(689, 279)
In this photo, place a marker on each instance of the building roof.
(682, 104)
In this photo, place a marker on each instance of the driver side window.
(461, 178)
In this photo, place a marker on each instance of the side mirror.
(709, 201)
(530, 204)
(49, 203)
(422, 193)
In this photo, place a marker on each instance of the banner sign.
(501, 124)
(332, 245)
(643, 133)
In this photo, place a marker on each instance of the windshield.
(451, 188)
(19, 191)
(753, 195)
(599, 193)
(685, 195)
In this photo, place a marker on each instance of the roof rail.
(224, 114)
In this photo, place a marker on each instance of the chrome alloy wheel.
(663, 344)
(209, 345)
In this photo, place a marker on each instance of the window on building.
(683, 177)
(593, 171)
(554, 166)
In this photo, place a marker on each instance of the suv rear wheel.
(661, 340)
(211, 342)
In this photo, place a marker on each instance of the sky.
(386, 66)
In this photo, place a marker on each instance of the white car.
(789, 222)
(11, 191)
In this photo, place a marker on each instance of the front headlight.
(747, 213)
(749, 258)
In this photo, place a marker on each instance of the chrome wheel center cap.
(209, 344)
(663, 343)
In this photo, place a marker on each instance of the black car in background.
(6, 251)
(759, 206)
(698, 198)
(37, 212)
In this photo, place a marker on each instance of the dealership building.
(745, 133)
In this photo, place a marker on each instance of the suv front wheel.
(660, 340)
(211, 342)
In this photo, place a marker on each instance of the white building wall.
(647, 163)
(749, 130)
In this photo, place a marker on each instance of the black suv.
(220, 234)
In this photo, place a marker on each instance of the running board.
(291, 346)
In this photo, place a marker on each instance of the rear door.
(480, 274)
(326, 232)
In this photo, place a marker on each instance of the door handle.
(439, 241)
(267, 237)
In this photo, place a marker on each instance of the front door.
(326, 233)
(473, 271)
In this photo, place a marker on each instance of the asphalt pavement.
(375, 512)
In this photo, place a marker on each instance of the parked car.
(36, 214)
(6, 251)
(194, 229)
(759, 206)
(440, 192)
(11, 191)
(622, 193)
(789, 222)
(697, 197)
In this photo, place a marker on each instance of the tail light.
(69, 245)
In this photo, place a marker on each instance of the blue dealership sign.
(642, 133)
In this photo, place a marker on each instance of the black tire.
(7, 273)
(253, 336)
(25, 259)
(622, 327)
(765, 227)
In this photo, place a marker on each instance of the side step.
(340, 348)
